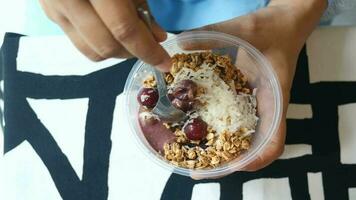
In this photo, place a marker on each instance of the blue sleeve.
(330, 12)
(178, 15)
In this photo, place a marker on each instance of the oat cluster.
(217, 150)
(150, 82)
(194, 61)
(223, 66)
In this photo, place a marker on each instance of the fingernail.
(160, 35)
(165, 66)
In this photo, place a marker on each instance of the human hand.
(279, 31)
(104, 29)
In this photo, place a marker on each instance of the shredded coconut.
(222, 108)
(144, 97)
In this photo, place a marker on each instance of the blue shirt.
(174, 15)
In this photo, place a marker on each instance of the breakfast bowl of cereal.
(232, 104)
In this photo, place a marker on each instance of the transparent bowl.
(250, 61)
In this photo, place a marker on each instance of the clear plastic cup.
(260, 75)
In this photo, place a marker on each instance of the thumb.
(159, 34)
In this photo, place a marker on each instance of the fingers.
(109, 28)
(79, 42)
(73, 35)
(159, 34)
(128, 29)
(273, 150)
(93, 31)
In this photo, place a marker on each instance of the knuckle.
(95, 57)
(55, 17)
(124, 30)
(91, 54)
(107, 51)
(60, 20)
(88, 52)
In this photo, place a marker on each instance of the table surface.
(328, 70)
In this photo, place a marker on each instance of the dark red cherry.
(148, 97)
(185, 90)
(182, 96)
(182, 105)
(195, 129)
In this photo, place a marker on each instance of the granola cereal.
(220, 105)
(150, 82)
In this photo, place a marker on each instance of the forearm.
(298, 18)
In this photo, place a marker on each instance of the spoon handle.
(161, 83)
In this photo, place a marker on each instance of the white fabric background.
(126, 160)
